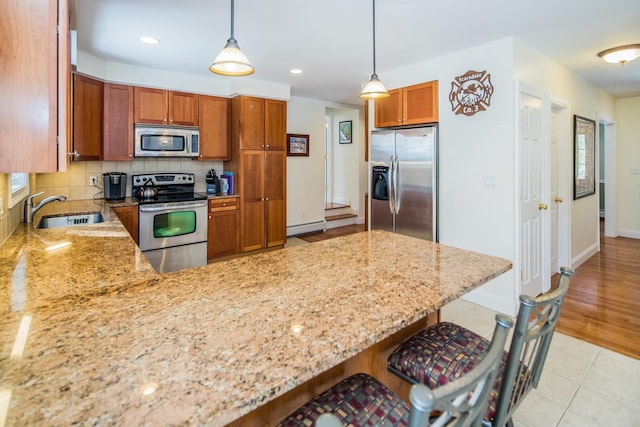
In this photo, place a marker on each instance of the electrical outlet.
(93, 181)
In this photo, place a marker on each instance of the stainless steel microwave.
(166, 141)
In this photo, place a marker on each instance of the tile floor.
(582, 385)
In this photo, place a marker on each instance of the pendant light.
(621, 54)
(374, 87)
(231, 61)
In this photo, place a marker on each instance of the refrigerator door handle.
(397, 196)
(390, 186)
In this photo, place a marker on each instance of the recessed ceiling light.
(295, 71)
(149, 40)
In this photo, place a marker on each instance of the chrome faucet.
(30, 210)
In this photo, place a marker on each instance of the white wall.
(305, 175)
(628, 158)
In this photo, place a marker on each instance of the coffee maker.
(115, 185)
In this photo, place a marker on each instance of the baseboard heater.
(294, 230)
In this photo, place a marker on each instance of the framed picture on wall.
(297, 145)
(344, 129)
(584, 157)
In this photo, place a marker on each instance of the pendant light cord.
(232, 18)
(374, 36)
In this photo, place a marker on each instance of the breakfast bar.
(233, 342)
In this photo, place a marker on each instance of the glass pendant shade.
(374, 89)
(231, 61)
(621, 55)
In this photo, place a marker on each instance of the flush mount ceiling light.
(374, 87)
(621, 54)
(231, 61)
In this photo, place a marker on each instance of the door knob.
(558, 199)
(542, 206)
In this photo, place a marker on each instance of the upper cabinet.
(158, 106)
(214, 118)
(259, 124)
(417, 104)
(87, 118)
(118, 122)
(35, 85)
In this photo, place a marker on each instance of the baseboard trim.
(633, 234)
(585, 255)
(294, 230)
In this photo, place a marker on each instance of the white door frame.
(610, 178)
(565, 175)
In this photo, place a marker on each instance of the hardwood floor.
(602, 305)
(603, 302)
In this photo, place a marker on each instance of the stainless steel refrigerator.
(404, 173)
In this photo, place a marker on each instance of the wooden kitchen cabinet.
(215, 127)
(263, 194)
(260, 170)
(35, 72)
(117, 141)
(275, 125)
(223, 233)
(165, 107)
(417, 104)
(128, 216)
(87, 118)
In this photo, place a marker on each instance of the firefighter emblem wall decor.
(471, 92)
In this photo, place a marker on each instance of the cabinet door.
(214, 119)
(183, 109)
(388, 111)
(87, 117)
(275, 197)
(275, 123)
(35, 81)
(249, 117)
(128, 216)
(420, 103)
(150, 105)
(223, 234)
(252, 211)
(118, 122)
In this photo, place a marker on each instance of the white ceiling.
(331, 40)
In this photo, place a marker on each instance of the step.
(340, 220)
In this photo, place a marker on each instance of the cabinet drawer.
(220, 205)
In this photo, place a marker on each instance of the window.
(19, 188)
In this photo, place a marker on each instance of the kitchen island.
(232, 341)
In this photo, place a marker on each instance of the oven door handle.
(181, 206)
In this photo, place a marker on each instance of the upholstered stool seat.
(361, 399)
(442, 353)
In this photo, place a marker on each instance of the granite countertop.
(100, 327)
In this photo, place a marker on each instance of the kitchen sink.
(55, 221)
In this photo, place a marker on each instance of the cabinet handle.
(74, 155)
(209, 216)
(224, 204)
(266, 198)
(130, 156)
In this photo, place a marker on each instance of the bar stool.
(445, 352)
(361, 400)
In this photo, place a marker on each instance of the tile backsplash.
(74, 183)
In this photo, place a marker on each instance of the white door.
(533, 169)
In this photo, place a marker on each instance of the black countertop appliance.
(115, 185)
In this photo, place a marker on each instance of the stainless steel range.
(172, 220)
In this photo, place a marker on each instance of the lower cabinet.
(128, 216)
(223, 233)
